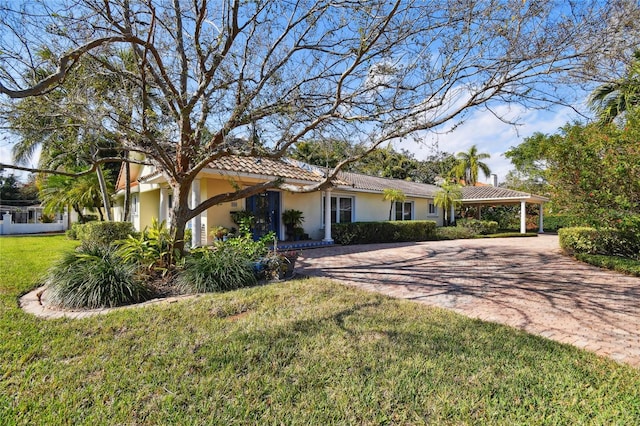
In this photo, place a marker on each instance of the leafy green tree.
(468, 165)
(68, 140)
(448, 196)
(611, 100)
(323, 153)
(434, 167)
(388, 163)
(394, 196)
(592, 171)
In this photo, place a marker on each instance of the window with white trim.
(433, 210)
(134, 205)
(404, 210)
(341, 209)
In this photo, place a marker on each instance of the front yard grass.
(299, 352)
(615, 263)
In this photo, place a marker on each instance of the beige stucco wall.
(371, 207)
(218, 215)
(149, 202)
(310, 204)
(367, 207)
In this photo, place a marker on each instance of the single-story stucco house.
(353, 197)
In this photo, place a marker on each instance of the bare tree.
(369, 72)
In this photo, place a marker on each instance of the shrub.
(72, 233)
(578, 240)
(453, 233)
(479, 227)
(623, 242)
(152, 249)
(554, 222)
(103, 233)
(247, 247)
(94, 277)
(225, 267)
(383, 232)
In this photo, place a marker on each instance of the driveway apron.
(521, 282)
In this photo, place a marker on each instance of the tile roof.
(379, 184)
(284, 167)
(297, 170)
(264, 166)
(470, 193)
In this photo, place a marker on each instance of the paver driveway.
(522, 282)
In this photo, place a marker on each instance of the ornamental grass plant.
(225, 267)
(95, 277)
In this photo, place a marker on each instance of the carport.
(491, 196)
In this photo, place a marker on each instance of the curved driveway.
(522, 282)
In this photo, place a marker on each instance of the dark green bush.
(103, 233)
(554, 222)
(383, 232)
(453, 233)
(95, 277)
(623, 242)
(620, 264)
(225, 267)
(479, 227)
(72, 233)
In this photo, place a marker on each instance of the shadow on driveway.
(522, 282)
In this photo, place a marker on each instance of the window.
(432, 209)
(341, 209)
(134, 205)
(404, 211)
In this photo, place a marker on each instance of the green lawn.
(620, 264)
(299, 352)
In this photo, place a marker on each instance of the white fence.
(7, 227)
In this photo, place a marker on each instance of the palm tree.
(468, 165)
(614, 98)
(393, 195)
(57, 192)
(448, 196)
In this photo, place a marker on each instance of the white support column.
(541, 219)
(195, 222)
(327, 216)
(523, 217)
(164, 204)
(452, 214)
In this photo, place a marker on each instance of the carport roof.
(488, 194)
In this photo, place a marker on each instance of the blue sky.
(493, 136)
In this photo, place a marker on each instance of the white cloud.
(491, 135)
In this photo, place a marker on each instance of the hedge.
(607, 241)
(383, 232)
(102, 233)
(479, 227)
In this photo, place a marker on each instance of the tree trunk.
(180, 214)
(390, 209)
(79, 211)
(105, 194)
(127, 191)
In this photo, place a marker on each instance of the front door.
(266, 209)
